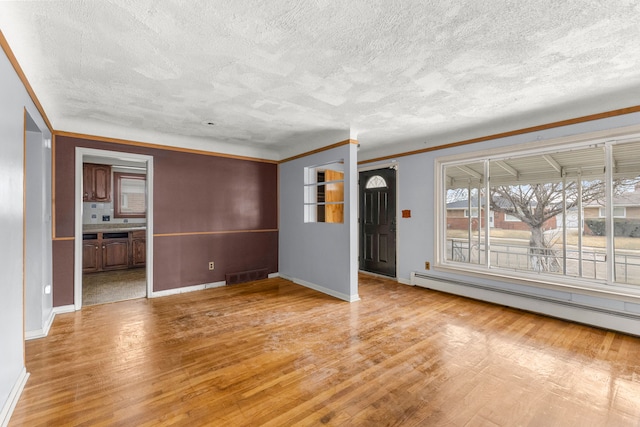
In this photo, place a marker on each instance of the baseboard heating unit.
(618, 320)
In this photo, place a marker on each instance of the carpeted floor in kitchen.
(111, 286)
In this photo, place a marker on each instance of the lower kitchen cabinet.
(138, 248)
(91, 256)
(115, 254)
(104, 251)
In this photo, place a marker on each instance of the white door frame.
(116, 155)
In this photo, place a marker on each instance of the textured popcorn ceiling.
(280, 77)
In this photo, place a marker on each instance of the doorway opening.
(377, 225)
(114, 223)
(38, 269)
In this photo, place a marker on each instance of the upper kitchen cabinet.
(96, 181)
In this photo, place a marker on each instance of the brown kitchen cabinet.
(96, 182)
(91, 254)
(138, 248)
(104, 251)
(115, 251)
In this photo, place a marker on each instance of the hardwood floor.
(275, 353)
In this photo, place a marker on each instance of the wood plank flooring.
(274, 353)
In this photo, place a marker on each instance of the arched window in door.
(376, 181)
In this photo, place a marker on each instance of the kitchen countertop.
(96, 228)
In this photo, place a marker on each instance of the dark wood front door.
(378, 221)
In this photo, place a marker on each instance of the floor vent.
(245, 276)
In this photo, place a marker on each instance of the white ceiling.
(281, 77)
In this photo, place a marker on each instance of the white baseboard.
(273, 275)
(41, 333)
(12, 399)
(64, 309)
(331, 292)
(35, 334)
(195, 288)
(405, 281)
(177, 291)
(215, 285)
(49, 322)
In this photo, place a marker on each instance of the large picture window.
(571, 213)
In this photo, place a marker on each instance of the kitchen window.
(130, 195)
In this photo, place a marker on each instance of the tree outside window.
(552, 212)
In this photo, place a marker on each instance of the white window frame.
(311, 186)
(474, 213)
(593, 287)
(511, 218)
(603, 210)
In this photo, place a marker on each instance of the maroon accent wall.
(182, 260)
(62, 258)
(196, 193)
(193, 193)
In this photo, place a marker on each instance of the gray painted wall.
(416, 188)
(321, 256)
(13, 101)
(38, 269)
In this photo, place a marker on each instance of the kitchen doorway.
(113, 227)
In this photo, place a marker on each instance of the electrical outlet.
(211, 265)
(427, 265)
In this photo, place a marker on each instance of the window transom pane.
(376, 182)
